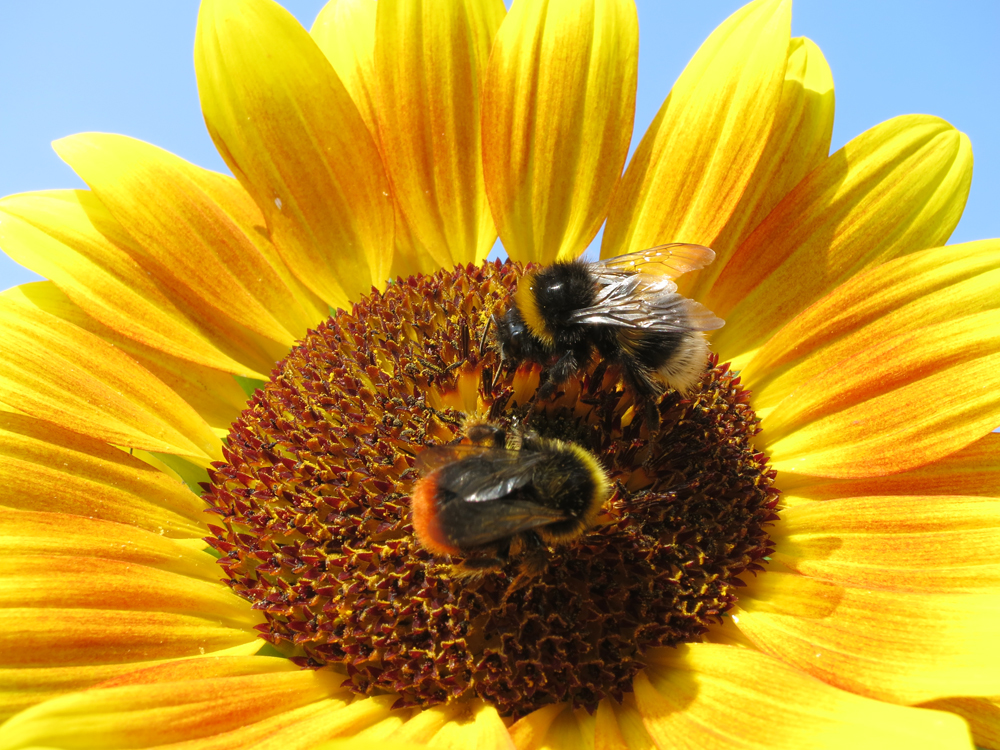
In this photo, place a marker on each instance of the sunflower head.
(316, 525)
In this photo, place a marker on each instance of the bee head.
(514, 338)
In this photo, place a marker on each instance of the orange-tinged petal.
(61, 535)
(198, 228)
(345, 31)
(70, 237)
(798, 143)
(558, 108)
(983, 715)
(699, 154)
(214, 394)
(918, 543)
(974, 470)
(894, 405)
(61, 374)
(480, 728)
(705, 696)
(293, 137)
(250, 699)
(430, 59)
(896, 189)
(45, 467)
(619, 725)
(897, 646)
(22, 687)
(902, 295)
(53, 636)
(40, 581)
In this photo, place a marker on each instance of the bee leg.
(532, 564)
(534, 555)
(563, 370)
(652, 410)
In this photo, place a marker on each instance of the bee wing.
(480, 474)
(650, 309)
(498, 519)
(664, 261)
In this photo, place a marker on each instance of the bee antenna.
(492, 320)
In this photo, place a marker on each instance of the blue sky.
(126, 67)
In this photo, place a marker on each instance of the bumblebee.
(626, 308)
(491, 498)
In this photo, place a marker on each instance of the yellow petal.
(479, 729)
(233, 700)
(22, 687)
(70, 237)
(64, 375)
(935, 544)
(45, 467)
(558, 108)
(902, 295)
(62, 535)
(895, 405)
(974, 470)
(705, 696)
(557, 727)
(293, 137)
(699, 154)
(896, 646)
(983, 715)
(423, 725)
(798, 143)
(199, 229)
(619, 725)
(430, 59)
(894, 190)
(345, 31)
(214, 394)
(39, 581)
(54, 636)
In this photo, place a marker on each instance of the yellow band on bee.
(527, 305)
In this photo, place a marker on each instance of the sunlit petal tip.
(430, 60)
(894, 190)
(289, 130)
(697, 157)
(345, 31)
(799, 141)
(557, 119)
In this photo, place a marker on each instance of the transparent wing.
(479, 474)
(663, 261)
(650, 309)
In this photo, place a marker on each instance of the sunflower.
(805, 553)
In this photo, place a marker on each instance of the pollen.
(314, 523)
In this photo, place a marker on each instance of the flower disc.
(316, 529)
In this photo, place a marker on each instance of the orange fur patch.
(426, 521)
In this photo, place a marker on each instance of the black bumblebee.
(492, 497)
(627, 308)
